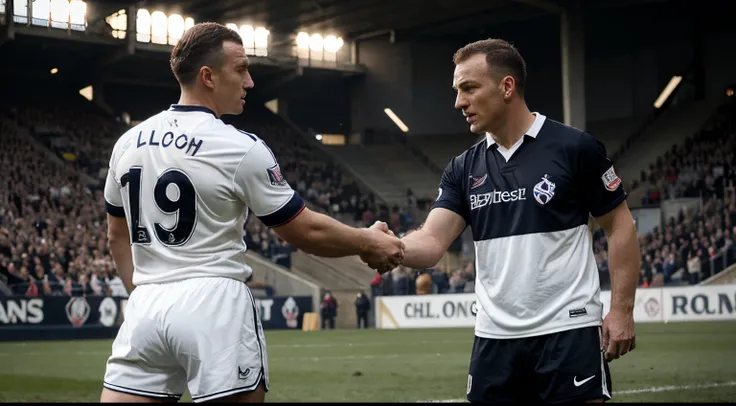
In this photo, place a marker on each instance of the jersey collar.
(187, 109)
(533, 131)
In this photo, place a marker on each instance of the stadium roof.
(89, 57)
(354, 19)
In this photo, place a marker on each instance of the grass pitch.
(676, 362)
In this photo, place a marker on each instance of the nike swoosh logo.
(578, 383)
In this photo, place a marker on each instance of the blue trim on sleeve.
(285, 214)
(115, 211)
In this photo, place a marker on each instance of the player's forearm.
(624, 260)
(327, 237)
(421, 250)
(123, 259)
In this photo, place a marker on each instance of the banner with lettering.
(60, 311)
(651, 305)
(275, 312)
(446, 310)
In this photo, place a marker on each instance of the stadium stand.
(77, 139)
(53, 236)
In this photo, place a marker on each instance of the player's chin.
(476, 128)
(237, 108)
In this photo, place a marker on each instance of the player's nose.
(461, 102)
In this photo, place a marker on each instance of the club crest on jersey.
(544, 191)
(610, 180)
(275, 176)
(476, 182)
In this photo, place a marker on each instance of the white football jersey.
(185, 181)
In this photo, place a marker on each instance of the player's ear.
(508, 84)
(207, 76)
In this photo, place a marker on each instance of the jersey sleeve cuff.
(443, 204)
(286, 213)
(115, 211)
(603, 210)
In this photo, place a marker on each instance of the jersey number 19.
(184, 208)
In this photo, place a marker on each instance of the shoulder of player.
(238, 137)
(571, 137)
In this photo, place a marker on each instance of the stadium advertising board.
(447, 310)
(283, 312)
(652, 305)
(275, 312)
(647, 305)
(706, 303)
(60, 311)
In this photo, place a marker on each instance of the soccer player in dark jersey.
(527, 191)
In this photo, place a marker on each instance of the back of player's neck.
(189, 99)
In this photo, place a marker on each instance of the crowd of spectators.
(698, 242)
(407, 281)
(53, 232)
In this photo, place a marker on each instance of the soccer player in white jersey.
(527, 191)
(179, 188)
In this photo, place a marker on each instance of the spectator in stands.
(440, 282)
(400, 276)
(328, 310)
(457, 282)
(376, 285)
(362, 307)
(424, 283)
(694, 266)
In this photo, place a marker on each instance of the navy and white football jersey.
(185, 181)
(528, 208)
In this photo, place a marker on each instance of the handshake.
(382, 251)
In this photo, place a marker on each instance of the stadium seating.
(53, 235)
(440, 149)
(74, 138)
(699, 244)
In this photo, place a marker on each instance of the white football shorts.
(202, 333)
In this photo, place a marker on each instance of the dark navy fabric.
(551, 183)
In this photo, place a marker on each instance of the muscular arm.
(322, 235)
(118, 239)
(424, 248)
(624, 256)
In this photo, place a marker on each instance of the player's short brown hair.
(200, 46)
(502, 57)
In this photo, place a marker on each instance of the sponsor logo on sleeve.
(275, 176)
(610, 180)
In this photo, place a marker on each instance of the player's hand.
(380, 225)
(384, 251)
(618, 334)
